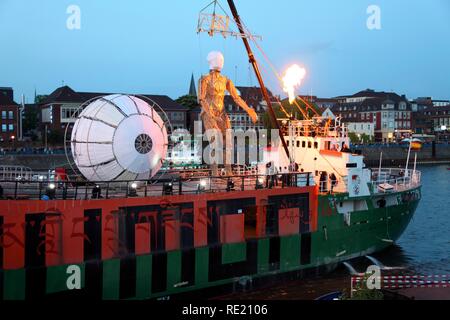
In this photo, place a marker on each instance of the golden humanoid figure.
(211, 97)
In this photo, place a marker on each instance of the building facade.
(9, 116)
(436, 119)
(59, 109)
(389, 112)
(362, 128)
(254, 99)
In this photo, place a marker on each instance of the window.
(309, 144)
(4, 115)
(3, 127)
(11, 127)
(11, 115)
(68, 114)
(303, 144)
(316, 145)
(298, 144)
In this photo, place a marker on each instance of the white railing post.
(407, 159)
(415, 163)
(379, 167)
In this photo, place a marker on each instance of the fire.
(292, 79)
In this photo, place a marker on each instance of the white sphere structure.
(119, 137)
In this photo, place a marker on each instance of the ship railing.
(330, 186)
(395, 179)
(317, 127)
(84, 190)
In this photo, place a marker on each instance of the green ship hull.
(160, 275)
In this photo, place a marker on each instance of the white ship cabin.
(321, 146)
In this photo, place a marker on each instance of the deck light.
(230, 185)
(96, 192)
(132, 190)
(260, 183)
(167, 189)
(201, 187)
(50, 191)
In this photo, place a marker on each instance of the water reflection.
(426, 241)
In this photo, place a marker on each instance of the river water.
(425, 245)
(423, 249)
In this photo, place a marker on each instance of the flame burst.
(292, 79)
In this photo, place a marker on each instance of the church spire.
(192, 89)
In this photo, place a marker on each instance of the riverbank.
(393, 156)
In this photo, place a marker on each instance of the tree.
(40, 98)
(353, 137)
(292, 111)
(360, 138)
(366, 138)
(55, 137)
(188, 101)
(30, 119)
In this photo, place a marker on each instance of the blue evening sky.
(151, 46)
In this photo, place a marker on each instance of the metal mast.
(253, 62)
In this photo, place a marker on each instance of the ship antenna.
(255, 66)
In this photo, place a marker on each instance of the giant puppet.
(211, 98)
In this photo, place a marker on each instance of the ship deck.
(195, 182)
(170, 184)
